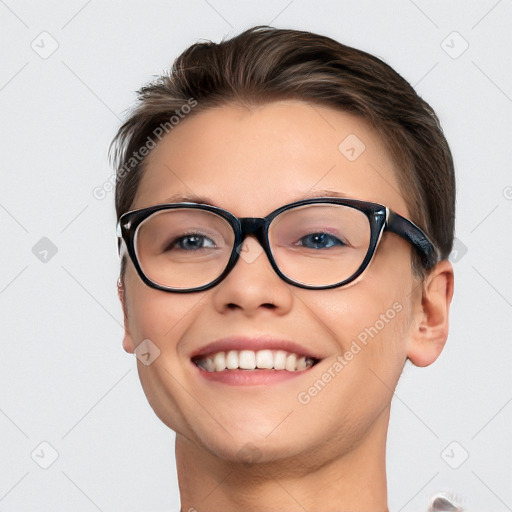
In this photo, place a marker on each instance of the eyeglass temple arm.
(121, 244)
(408, 230)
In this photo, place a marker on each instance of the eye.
(191, 242)
(320, 241)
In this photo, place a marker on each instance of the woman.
(286, 211)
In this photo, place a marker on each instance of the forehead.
(251, 160)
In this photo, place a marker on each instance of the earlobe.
(431, 330)
(127, 338)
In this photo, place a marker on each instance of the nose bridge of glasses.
(253, 226)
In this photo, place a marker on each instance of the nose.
(252, 285)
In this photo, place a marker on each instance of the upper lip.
(252, 343)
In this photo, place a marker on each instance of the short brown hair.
(264, 64)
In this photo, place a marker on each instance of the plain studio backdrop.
(76, 430)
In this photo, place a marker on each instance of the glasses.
(316, 243)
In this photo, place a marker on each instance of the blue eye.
(320, 240)
(191, 243)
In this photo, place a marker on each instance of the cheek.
(362, 310)
(370, 323)
(158, 315)
(162, 318)
(354, 387)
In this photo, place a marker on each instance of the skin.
(326, 455)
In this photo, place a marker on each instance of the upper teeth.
(250, 360)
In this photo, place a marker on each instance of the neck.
(354, 481)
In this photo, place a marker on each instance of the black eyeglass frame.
(380, 217)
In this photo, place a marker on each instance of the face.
(251, 161)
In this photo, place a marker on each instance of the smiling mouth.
(250, 360)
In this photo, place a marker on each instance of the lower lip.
(250, 377)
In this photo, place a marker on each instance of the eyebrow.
(190, 198)
(194, 198)
(325, 193)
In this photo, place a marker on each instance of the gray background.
(64, 378)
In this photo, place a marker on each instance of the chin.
(255, 451)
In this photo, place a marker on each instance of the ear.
(127, 339)
(432, 317)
